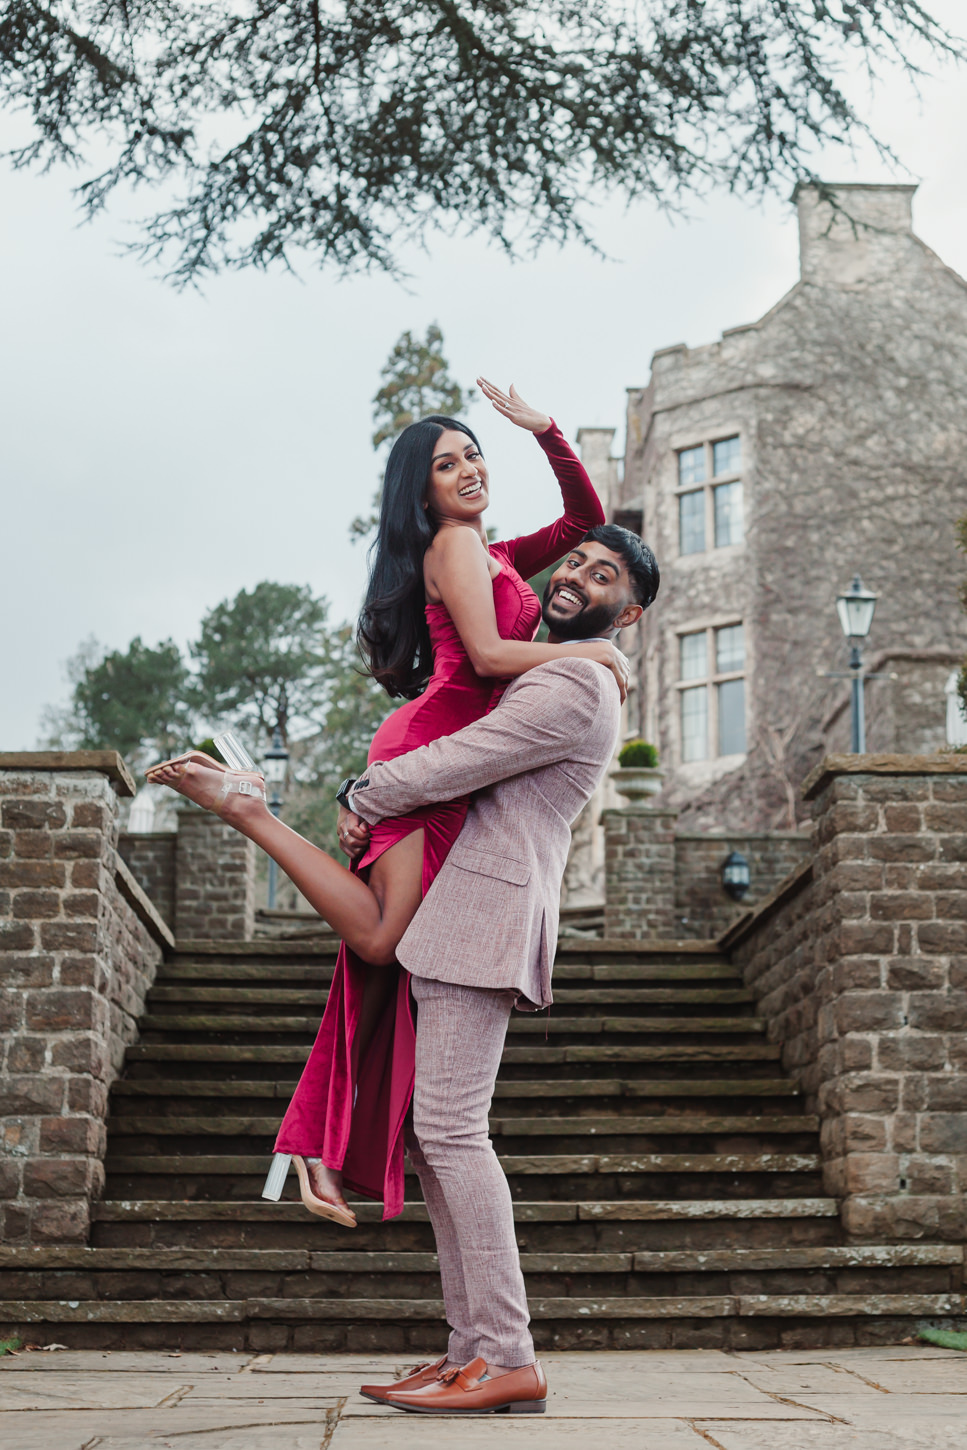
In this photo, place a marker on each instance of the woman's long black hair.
(392, 632)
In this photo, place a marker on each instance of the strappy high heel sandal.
(232, 783)
(198, 757)
(275, 1182)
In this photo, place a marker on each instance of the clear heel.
(234, 754)
(275, 1182)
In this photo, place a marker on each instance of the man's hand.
(353, 833)
(512, 406)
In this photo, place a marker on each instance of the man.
(483, 940)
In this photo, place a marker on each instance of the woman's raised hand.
(603, 652)
(512, 406)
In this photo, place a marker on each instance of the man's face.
(589, 594)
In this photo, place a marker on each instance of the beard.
(587, 623)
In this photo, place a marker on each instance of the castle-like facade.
(766, 470)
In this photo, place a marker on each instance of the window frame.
(711, 482)
(712, 678)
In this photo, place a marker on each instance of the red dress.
(354, 1121)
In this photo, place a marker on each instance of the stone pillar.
(214, 880)
(860, 966)
(639, 865)
(150, 855)
(892, 1020)
(79, 947)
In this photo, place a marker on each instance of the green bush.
(638, 752)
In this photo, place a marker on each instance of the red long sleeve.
(531, 553)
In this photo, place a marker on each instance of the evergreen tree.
(415, 381)
(133, 701)
(348, 129)
(263, 660)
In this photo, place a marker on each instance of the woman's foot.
(327, 1184)
(198, 757)
(233, 795)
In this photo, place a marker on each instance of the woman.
(441, 596)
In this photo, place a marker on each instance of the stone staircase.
(667, 1182)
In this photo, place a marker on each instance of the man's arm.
(557, 712)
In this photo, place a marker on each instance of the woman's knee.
(378, 947)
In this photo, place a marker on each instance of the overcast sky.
(163, 450)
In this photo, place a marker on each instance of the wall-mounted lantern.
(736, 877)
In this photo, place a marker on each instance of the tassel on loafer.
(468, 1391)
(421, 1374)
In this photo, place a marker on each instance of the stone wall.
(702, 907)
(860, 967)
(665, 884)
(215, 874)
(639, 866)
(79, 947)
(150, 856)
(201, 878)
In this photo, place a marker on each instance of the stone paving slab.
(890, 1398)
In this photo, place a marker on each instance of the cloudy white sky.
(163, 450)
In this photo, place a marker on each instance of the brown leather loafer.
(467, 1391)
(421, 1374)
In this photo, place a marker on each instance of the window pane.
(728, 514)
(691, 466)
(726, 456)
(731, 703)
(729, 649)
(695, 723)
(694, 656)
(691, 522)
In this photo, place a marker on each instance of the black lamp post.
(275, 760)
(855, 608)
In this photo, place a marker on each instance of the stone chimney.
(595, 448)
(858, 239)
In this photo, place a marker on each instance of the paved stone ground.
(904, 1398)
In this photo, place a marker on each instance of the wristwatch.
(342, 794)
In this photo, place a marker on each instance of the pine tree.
(416, 381)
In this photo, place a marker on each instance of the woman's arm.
(531, 553)
(456, 565)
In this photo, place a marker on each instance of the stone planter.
(637, 782)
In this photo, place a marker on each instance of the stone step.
(591, 1087)
(169, 1311)
(859, 1256)
(708, 967)
(549, 1055)
(177, 970)
(519, 1024)
(625, 1210)
(571, 1127)
(281, 997)
(236, 1165)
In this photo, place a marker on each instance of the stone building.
(766, 470)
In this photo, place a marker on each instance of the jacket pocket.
(503, 868)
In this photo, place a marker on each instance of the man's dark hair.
(640, 562)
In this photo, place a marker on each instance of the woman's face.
(457, 489)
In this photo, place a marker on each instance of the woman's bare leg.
(369, 917)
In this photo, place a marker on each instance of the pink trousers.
(460, 1035)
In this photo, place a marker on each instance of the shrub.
(638, 752)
